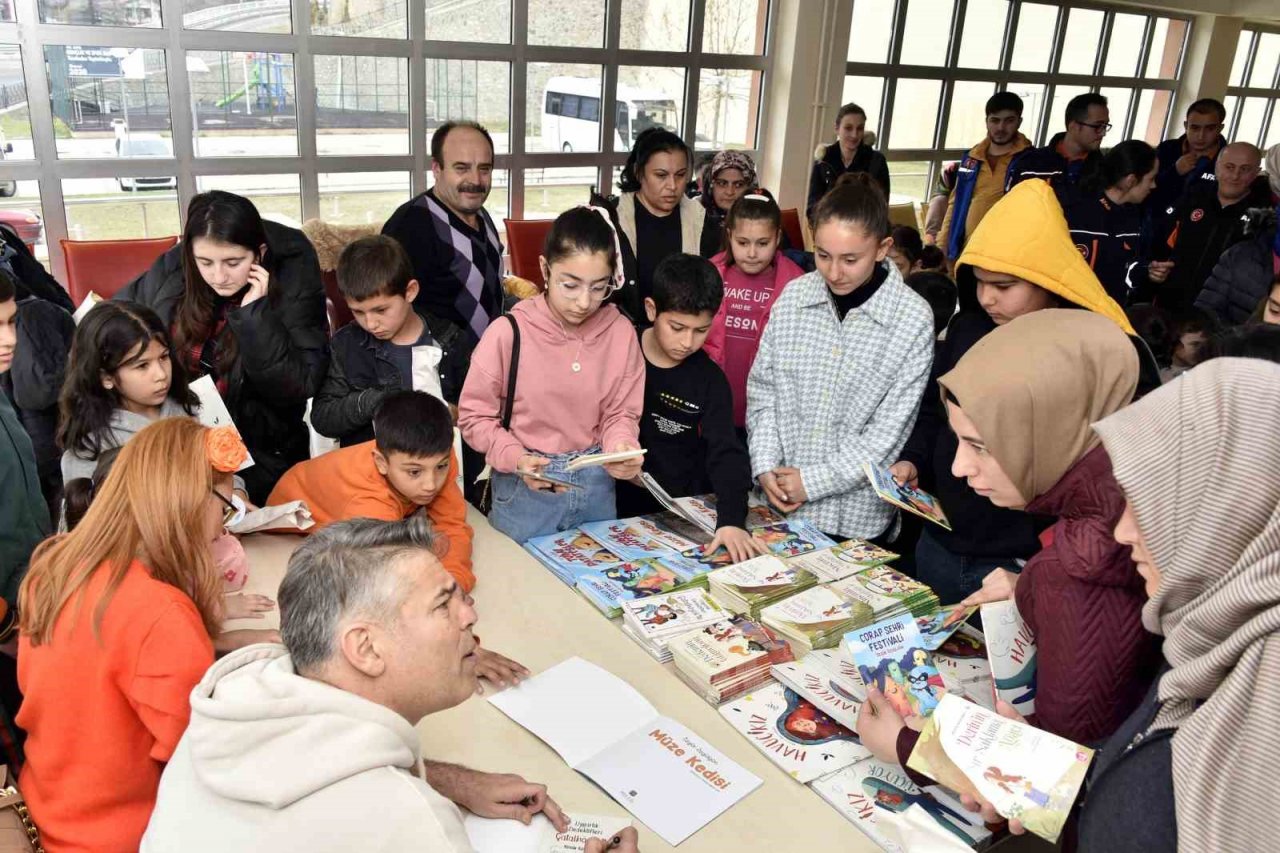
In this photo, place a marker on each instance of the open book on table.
(661, 772)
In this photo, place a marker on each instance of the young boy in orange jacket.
(409, 465)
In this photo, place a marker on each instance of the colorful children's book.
(966, 642)
(748, 586)
(819, 686)
(792, 733)
(571, 554)
(1011, 649)
(813, 619)
(1025, 773)
(728, 649)
(637, 538)
(791, 538)
(663, 773)
(885, 592)
(903, 496)
(502, 835)
(611, 587)
(876, 797)
(703, 519)
(667, 616)
(938, 626)
(842, 560)
(892, 658)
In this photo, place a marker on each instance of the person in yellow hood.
(1020, 259)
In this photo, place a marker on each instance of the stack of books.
(613, 586)
(752, 585)
(840, 561)
(654, 621)
(571, 554)
(727, 658)
(817, 618)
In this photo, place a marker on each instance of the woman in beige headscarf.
(1021, 403)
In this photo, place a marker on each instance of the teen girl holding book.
(754, 273)
(579, 387)
(840, 370)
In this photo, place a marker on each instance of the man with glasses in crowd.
(1069, 152)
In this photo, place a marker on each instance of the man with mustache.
(451, 239)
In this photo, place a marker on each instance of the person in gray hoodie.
(312, 745)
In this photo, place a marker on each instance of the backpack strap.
(512, 369)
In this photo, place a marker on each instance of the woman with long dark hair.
(653, 216)
(244, 304)
(1104, 214)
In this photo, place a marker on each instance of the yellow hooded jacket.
(1025, 235)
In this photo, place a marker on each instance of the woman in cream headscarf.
(1021, 403)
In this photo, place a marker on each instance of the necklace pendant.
(577, 367)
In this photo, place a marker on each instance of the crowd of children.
(674, 327)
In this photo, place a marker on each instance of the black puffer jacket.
(1242, 277)
(35, 380)
(828, 170)
(283, 343)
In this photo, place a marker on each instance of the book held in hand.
(1025, 773)
(590, 460)
(213, 410)
(937, 627)
(1011, 650)
(876, 798)
(805, 742)
(901, 495)
(892, 658)
(664, 774)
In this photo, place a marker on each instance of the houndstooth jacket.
(825, 396)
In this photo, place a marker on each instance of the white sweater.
(275, 761)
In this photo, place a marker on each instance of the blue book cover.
(609, 588)
(892, 657)
(570, 554)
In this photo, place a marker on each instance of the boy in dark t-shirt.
(687, 425)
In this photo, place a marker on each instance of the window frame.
(1271, 94)
(1002, 76)
(32, 36)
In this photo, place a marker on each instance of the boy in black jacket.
(389, 345)
(687, 425)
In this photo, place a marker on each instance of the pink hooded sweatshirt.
(556, 410)
(736, 330)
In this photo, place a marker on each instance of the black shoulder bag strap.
(486, 495)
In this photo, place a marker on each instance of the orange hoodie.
(345, 483)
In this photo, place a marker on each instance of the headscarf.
(1196, 460)
(727, 160)
(1033, 386)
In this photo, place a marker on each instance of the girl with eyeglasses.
(118, 622)
(244, 304)
(579, 387)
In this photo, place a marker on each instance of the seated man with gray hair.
(311, 746)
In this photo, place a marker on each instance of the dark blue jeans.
(953, 576)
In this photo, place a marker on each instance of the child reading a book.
(754, 273)
(687, 425)
(407, 467)
(579, 388)
(120, 379)
(389, 345)
(840, 370)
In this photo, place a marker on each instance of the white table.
(528, 614)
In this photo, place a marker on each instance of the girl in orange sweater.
(116, 619)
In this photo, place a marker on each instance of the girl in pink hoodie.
(579, 387)
(754, 273)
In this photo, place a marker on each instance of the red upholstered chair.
(791, 227)
(339, 314)
(525, 238)
(105, 266)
